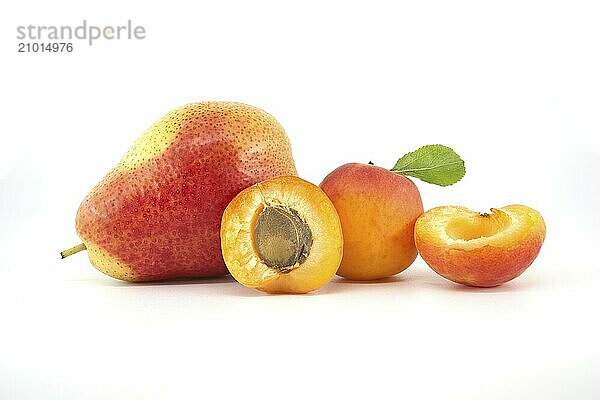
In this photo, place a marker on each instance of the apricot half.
(480, 249)
(282, 235)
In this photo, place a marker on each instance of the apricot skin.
(485, 262)
(378, 210)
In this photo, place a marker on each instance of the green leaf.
(433, 163)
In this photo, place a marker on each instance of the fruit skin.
(513, 240)
(157, 214)
(312, 205)
(378, 210)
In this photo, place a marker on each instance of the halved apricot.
(480, 249)
(282, 235)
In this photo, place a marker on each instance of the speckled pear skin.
(157, 214)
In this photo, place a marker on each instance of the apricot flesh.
(282, 235)
(480, 249)
(378, 210)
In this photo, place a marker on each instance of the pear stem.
(72, 250)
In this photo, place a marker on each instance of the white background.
(513, 86)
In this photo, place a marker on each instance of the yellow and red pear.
(157, 214)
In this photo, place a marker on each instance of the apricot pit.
(282, 238)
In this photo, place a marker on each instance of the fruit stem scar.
(282, 239)
(72, 250)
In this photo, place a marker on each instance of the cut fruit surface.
(282, 235)
(480, 249)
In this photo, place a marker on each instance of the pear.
(157, 214)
